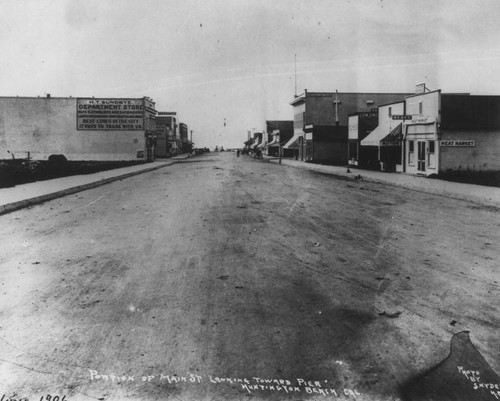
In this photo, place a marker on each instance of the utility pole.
(295, 74)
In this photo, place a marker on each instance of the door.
(421, 153)
(309, 151)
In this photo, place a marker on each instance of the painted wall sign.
(422, 120)
(461, 144)
(401, 117)
(109, 114)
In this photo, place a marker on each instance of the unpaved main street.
(208, 279)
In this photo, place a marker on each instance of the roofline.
(388, 104)
(303, 96)
(425, 93)
(471, 96)
(298, 98)
(360, 93)
(355, 113)
(75, 97)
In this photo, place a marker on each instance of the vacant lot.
(16, 172)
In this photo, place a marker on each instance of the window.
(299, 120)
(411, 152)
(420, 108)
(390, 111)
(431, 146)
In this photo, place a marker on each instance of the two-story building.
(168, 142)
(331, 109)
(166, 129)
(84, 128)
(184, 138)
(451, 132)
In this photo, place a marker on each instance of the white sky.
(211, 60)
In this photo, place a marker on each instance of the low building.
(77, 128)
(360, 125)
(257, 140)
(324, 144)
(280, 132)
(451, 132)
(382, 148)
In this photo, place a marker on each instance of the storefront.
(332, 109)
(291, 148)
(325, 144)
(421, 133)
(452, 133)
(279, 132)
(382, 148)
(273, 147)
(77, 128)
(360, 126)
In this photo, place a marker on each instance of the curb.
(11, 207)
(463, 197)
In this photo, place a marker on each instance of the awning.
(394, 138)
(377, 135)
(293, 143)
(274, 142)
(261, 145)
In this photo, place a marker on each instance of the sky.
(239, 62)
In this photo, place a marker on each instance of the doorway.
(421, 153)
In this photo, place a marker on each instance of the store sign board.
(109, 114)
(458, 144)
(352, 132)
(401, 117)
(390, 143)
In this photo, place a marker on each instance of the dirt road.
(229, 278)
